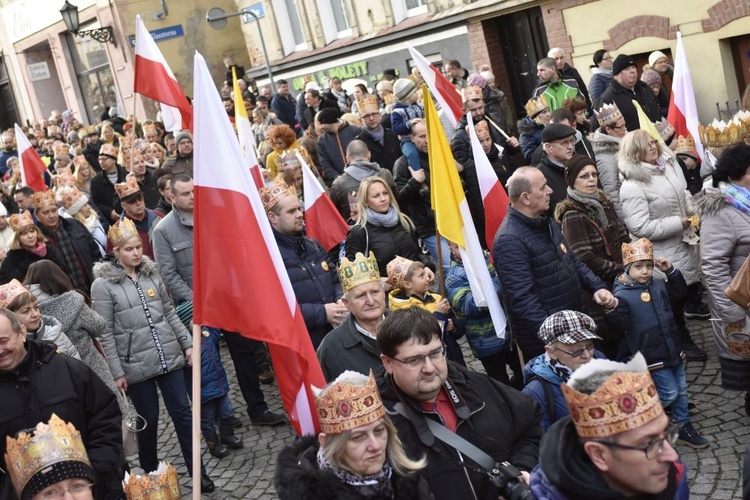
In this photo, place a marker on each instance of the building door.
(524, 42)
(741, 52)
(8, 114)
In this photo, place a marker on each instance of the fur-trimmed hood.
(711, 202)
(111, 271)
(641, 171)
(604, 144)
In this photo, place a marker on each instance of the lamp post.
(217, 18)
(69, 14)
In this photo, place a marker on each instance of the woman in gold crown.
(358, 454)
(530, 127)
(145, 342)
(28, 245)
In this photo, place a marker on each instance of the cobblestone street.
(714, 473)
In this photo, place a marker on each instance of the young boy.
(411, 288)
(644, 313)
(404, 114)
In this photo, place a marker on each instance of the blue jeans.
(216, 410)
(431, 244)
(146, 402)
(672, 387)
(409, 149)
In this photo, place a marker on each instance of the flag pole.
(135, 135)
(196, 412)
(441, 277)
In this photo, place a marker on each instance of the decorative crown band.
(359, 271)
(348, 403)
(641, 249)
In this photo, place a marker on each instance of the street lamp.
(218, 19)
(70, 18)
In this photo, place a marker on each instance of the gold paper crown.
(149, 128)
(665, 129)
(641, 249)
(720, 134)
(685, 146)
(346, 404)
(126, 141)
(626, 400)
(358, 272)
(43, 198)
(72, 199)
(125, 189)
(50, 443)
(108, 150)
(20, 221)
(482, 130)
(535, 106)
(271, 195)
(10, 291)
(471, 93)
(288, 160)
(397, 270)
(367, 105)
(608, 115)
(121, 231)
(162, 484)
(92, 130)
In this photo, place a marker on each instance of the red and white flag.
(31, 164)
(494, 197)
(322, 221)
(444, 91)
(683, 113)
(154, 79)
(240, 282)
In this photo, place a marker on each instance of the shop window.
(334, 19)
(289, 22)
(8, 114)
(408, 8)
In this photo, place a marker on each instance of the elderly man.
(559, 144)
(352, 345)
(553, 85)
(606, 144)
(70, 237)
(382, 142)
(435, 393)
(103, 183)
(630, 453)
(37, 381)
(182, 161)
(569, 72)
(626, 87)
(539, 275)
(313, 277)
(332, 143)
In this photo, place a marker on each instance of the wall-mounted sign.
(162, 34)
(38, 71)
(25, 17)
(344, 72)
(256, 9)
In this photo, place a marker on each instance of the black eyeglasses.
(578, 352)
(417, 361)
(654, 448)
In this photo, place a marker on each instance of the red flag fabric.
(154, 79)
(444, 91)
(32, 166)
(240, 282)
(683, 112)
(322, 221)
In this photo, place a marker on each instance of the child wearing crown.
(644, 314)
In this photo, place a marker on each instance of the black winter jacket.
(414, 197)
(539, 275)
(496, 418)
(384, 154)
(461, 144)
(555, 176)
(386, 243)
(298, 477)
(331, 162)
(103, 193)
(623, 97)
(91, 152)
(47, 382)
(84, 245)
(17, 262)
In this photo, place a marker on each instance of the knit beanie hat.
(404, 88)
(574, 166)
(655, 56)
(650, 77)
(477, 79)
(181, 136)
(621, 62)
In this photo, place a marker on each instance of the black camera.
(508, 479)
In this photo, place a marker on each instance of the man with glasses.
(624, 88)
(559, 143)
(492, 416)
(617, 441)
(382, 142)
(606, 144)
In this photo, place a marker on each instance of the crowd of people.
(613, 237)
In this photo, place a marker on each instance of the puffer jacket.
(497, 108)
(644, 314)
(725, 244)
(530, 136)
(414, 196)
(653, 204)
(461, 144)
(606, 148)
(539, 276)
(173, 250)
(50, 330)
(214, 382)
(127, 339)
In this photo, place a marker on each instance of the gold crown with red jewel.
(350, 401)
(127, 188)
(397, 270)
(50, 444)
(608, 115)
(271, 195)
(162, 484)
(359, 271)
(641, 249)
(471, 93)
(685, 146)
(626, 400)
(9, 291)
(42, 199)
(367, 105)
(482, 130)
(535, 106)
(121, 231)
(20, 221)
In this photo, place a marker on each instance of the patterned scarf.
(737, 196)
(75, 270)
(591, 204)
(560, 369)
(388, 219)
(375, 486)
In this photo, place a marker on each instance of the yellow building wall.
(709, 54)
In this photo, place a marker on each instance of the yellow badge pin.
(151, 292)
(324, 265)
(646, 297)
(563, 248)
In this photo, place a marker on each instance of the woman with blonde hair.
(28, 245)
(358, 454)
(158, 152)
(83, 173)
(382, 228)
(109, 136)
(263, 120)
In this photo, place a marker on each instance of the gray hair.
(555, 50)
(519, 183)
